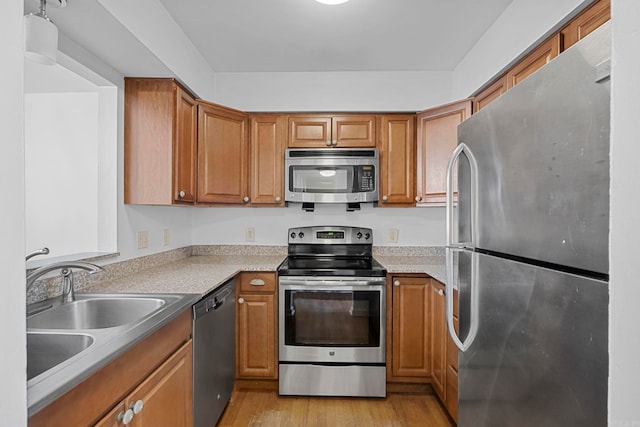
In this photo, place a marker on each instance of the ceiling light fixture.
(41, 35)
(332, 1)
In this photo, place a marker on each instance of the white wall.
(417, 226)
(61, 143)
(13, 397)
(624, 340)
(522, 24)
(333, 91)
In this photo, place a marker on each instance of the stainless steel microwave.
(334, 175)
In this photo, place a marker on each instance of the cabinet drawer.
(258, 282)
(451, 394)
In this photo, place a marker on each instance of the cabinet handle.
(278, 199)
(384, 198)
(334, 143)
(137, 406)
(418, 198)
(181, 194)
(440, 292)
(240, 300)
(396, 283)
(256, 282)
(125, 417)
(245, 199)
(329, 143)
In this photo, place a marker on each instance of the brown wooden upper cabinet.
(437, 137)
(489, 94)
(397, 160)
(597, 14)
(322, 131)
(268, 140)
(223, 155)
(535, 60)
(160, 128)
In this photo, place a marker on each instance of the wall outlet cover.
(143, 239)
(392, 237)
(251, 234)
(166, 237)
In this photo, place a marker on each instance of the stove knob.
(367, 235)
(301, 234)
(359, 235)
(293, 235)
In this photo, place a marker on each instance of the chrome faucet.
(66, 274)
(43, 251)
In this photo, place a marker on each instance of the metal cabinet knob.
(240, 300)
(137, 406)
(418, 198)
(245, 199)
(125, 417)
(396, 283)
(278, 199)
(181, 194)
(385, 198)
(334, 143)
(329, 143)
(440, 292)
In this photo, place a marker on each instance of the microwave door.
(322, 179)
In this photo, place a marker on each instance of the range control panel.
(330, 235)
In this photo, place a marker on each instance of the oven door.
(332, 320)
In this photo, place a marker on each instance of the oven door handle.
(333, 282)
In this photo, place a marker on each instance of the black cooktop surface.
(331, 266)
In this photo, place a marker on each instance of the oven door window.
(321, 179)
(332, 318)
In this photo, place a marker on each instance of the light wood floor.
(265, 408)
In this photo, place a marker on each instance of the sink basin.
(44, 351)
(95, 313)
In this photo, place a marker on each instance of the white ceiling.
(360, 35)
(293, 35)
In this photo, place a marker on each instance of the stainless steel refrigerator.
(527, 247)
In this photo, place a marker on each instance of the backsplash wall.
(227, 226)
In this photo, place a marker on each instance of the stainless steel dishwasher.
(213, 354)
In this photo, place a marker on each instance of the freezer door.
(539, 356)
(542, 153)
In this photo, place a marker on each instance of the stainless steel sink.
(46, 350)
(67, 342)
(95, 313)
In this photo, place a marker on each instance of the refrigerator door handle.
(463, 345)
(473, 165)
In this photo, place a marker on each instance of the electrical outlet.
(143, 239)
(392, 237)
(166, 237)
(251, 234)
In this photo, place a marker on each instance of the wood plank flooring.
(266, 409)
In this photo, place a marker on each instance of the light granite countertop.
(199, 274)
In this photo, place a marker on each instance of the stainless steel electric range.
(331, 314)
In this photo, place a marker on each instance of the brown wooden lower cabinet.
(256, 327)
(419, 349)
(164, 398)
(158, 371)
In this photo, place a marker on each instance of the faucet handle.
(43, 251)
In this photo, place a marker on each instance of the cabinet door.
(114, 417)
(256, 336)
(594, 16)
(489, 94)
(438, 339)
(268, 134)
(411, 328)
(354, 131)
(309, 131)
(436, 139)
(185, 148)
(397, 160)
(534, 60)
(166, 395)
(223, 155)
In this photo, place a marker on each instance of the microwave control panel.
(366, 176)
